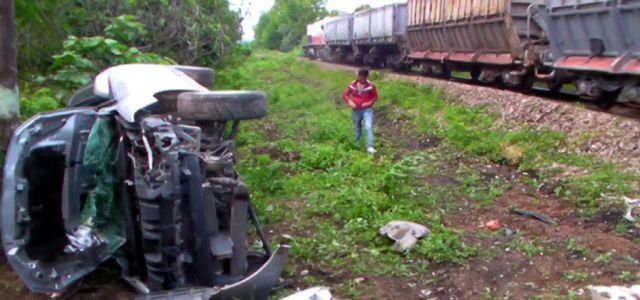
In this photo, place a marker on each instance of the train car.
(593, 44)
(338, 34)
(598, 41)
(490, 39)
(380, 37)
(316, 42)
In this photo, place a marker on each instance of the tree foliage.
(363, 7)
(190, 31)
(284, 26)
(81, 58)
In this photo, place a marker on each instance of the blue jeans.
(364, 115)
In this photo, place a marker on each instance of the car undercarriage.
(141, 169)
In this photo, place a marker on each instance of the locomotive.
(593, 45)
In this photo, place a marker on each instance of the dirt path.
(527, 259)
(613, 138)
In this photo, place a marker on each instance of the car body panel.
(58, 139)
(130, 86)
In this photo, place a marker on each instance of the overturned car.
(140, 168)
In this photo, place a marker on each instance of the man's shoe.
(371, 150)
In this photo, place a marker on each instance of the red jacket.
(363, 98)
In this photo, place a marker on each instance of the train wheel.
(445, 71)
(526, 83)
(607, 100)
(554, 88)
(475, 75)
(425, 70)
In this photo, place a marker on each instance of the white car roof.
(134, 86)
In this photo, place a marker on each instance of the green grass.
(347, 194)
(603, 258)
(335, 197)
(576, 276)
(576, 248)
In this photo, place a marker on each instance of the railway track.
(565, 95)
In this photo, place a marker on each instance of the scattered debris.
(425, 293)
(614, 292)
(493, 225)
(533, 215)
(530, 285)
(287, 237)
(631, 204)
(315, 293)
(508, 232)
(406, 234)
(631, 260)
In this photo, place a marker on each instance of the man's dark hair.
(363, 73)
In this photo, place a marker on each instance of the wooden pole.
(9, 96)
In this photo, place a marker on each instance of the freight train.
(593, 45)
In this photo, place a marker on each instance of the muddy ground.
(103, 284)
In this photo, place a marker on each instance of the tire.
(203, 76)
(222, 106)
(85, 97)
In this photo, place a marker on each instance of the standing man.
(361, 95)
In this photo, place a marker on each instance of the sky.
(253, 9)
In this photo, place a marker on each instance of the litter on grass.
(405, 234)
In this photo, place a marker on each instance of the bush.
(40, 101)
(82, 58)
(320, 157)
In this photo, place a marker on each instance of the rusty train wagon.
(594, 44)
(490, 39)
(316, 42)
(598, 42)
(338, 33)
(379, 36)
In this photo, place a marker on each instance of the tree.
(202, 32)
(9, 99)
(284, 26)
(363, 7)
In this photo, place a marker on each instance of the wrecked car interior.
(140, 168)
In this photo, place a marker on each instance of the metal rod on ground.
(234, 130)
(256, 222)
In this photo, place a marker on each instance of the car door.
(45, 183)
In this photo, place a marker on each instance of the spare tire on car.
(222, 105)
